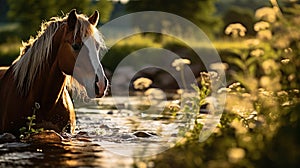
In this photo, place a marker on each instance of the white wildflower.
(236, 30)
(262, 25)
(179, 63)
(155, 93)
(257, 53)
(219, 66)
(235, 154)
(266, 13)
(142, 83)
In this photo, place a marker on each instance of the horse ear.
(94, 18)
(72, 19)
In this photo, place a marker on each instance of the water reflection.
(66, 154)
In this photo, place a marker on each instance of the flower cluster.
(179, 63)
(262, 25)
(142, 83)
(236, 30)
(257, 52)
(266, 13)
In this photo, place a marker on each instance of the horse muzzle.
(100, 87)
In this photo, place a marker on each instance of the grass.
(8, 27)
(225, 44)
(137, 40)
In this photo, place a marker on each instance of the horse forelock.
(35, 53)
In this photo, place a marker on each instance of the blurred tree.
(104, 7)
(224, 6)
(3, 10)
(200, 13)
(30, 13)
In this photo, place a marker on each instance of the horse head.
(79, 52)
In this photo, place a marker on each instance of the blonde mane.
(35, 53)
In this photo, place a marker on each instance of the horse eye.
(97, 46)
(76, 47)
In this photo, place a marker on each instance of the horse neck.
(49, 84)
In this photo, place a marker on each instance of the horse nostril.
(96, 78)
(96, 85)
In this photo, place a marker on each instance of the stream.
(108, 134)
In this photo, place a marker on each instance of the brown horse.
(64, 112)
(65, 48)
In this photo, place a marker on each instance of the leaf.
(250, 61)
(202, 102)
(252, 69)
(238, 62)
(23, 129)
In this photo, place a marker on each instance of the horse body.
(22, 88)
(60, 115)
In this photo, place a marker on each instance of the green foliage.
(27, 132)
(260, 124)
(30, 13)
(247, 136)
(125, 47)
(200, 13)
(271, 59)
(116, 54)
(224, 6)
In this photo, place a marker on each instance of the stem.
(183, 78)
(31, 120)
(276, 6)
(29, 126)
(278, 10)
